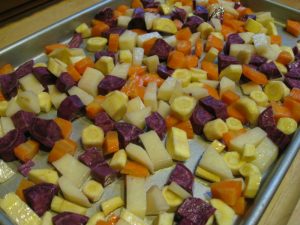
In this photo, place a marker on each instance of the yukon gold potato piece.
(18, 211)
(118, 160)
(224, 214)
(247, 88)
(93, 190)
(138, 154)
(266, 154)
(111, 205)
(150, 97)
(156, 203)
(213, 162)
(215, 129)
(90, 80)
(105, 64)
(217, 145)
(125, 56)
(152, 63)
(121, 70)
(149, 18)
(84, 30)
(60, 205)
(123, 21)
(249, 108)
(195, 90)
(164, 109)
(205, 29)
(287, 125)
(138, 117)
(43, 175)
(177, 144)
(56, 96)
(253, 136)
(29, 101)
(136, 198)
(253, 26)
(127, 40)
(135, 104)
(72, 193)
(234, 124)
(166, 89)
(137, 56)
(30, 83)
(156, 150)
(92, 136)
(45, 101)
(226, 84)
(84, 96)
(164, 25)
(3, 107)
(67, 164)
(56, 67)
(183, 107)
(115, 105)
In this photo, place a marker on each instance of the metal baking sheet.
(31, 47)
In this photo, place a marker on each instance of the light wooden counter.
(283, 209)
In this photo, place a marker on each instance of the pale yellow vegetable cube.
(205, 174)
(105, 64)
(30, 83)
(194, 38)
(92, 136)
(131, 218)
(149, 18)
(60, 205)
(85, 97)
(163, 109)
(235, 49)
(171, 198)
(5, 172)
(198, 75)
(234, 124)
(84, 30)
(47, 218)
(56, 66)
(218, 35)
(152, 63)
(118, 160)
(205, 29)
(127, 40)
(195, 90)
(249, 153)
(232, 72)
(121, 70)
(178, 190)
(224, 214)
(215, 129)
(150, 97)
(249, 108)
(244, 56)
(93, 190)
(111, 205)
(217, 145)
(216, 24)
(253, 26)
(125, 56)
(164, 25)
(137, 56)
(90, 80)
(29, 101)
(156, 203)
(40, 64)
(287, 125)
(171, 40)
(45, 101)
(165, 219)
(43, 175)
(272, 30)
(6, 124)
(211, 55)
(233, 161)
(95, 44)
(115, 105)
(166, 9)
(62, 54)
(56, 96)
(177, 144)
(123, 21)
(282, 68)
(12, 107)
(166, 89)
(247, 88)
(183, 107)
(183, 75)
(226, 84)
(3, 107)
(247, 37)
(138, 117)
(260, 98)
(135, 104)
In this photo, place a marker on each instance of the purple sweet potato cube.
(24, 69)
(91, 157)
(64, 82)
(70, 108)
(217, 107)
(161, 48)
(157, 123)
(69, 218)
(110, 83)
(199, 118)
(22, 120)
(183, 177)
(103, 120)
(127, 133)
(103, 173)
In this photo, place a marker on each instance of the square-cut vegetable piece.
(91, 157)
(22, 120)
(69, 217)
(127, 133)
(217, 107)
(104, 174)
(196, 210)
(70, 108)
(199, 118)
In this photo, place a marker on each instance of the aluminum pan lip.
(275, 176)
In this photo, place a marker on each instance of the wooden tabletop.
(284, 209)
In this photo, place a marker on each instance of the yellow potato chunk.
(215, 129)
(183, 107)
(92, 136)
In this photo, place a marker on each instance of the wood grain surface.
(282, 210)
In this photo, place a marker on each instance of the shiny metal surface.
(61, 31)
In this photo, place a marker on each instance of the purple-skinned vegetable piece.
(293, 74)
(248, 16)
(8, 142)
(137, 23)
(294, 65)
(226, 60)
(104, 174)
(157, 123)
(161, 48)
(193, 22)
(24, 69)
(138, 13)
(64, 82)
(100, 54)
(76, 41)
(25, 168)
(70, 108)
(103, 120)
(202, 12)
(69, 218)
(127, 133)
(266, 119)
(39, 197)
(217, 107)
(22, 120)
(182, 176)
(164, 72)
(46, 132)
(186, 221)
(237, 5)
(257, 60)
(232, 39)
(110, 83)
(199, 118)
(113, 30)
(292, 83)
(106, 15)
(179, 14)
(44, 76)
(296, 51)
(9, 85)
(196, 210)
(150, 4)
(91, 157)
(270, 69)
(278, 137)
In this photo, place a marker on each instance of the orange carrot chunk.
(293, 27)
(214, 42)
(229, 191)
(99, 28)
(135, 169)
(240, 206)
(175, 60)
(184, 34)
(6, 69)
(113, 43)
(73, 73)
(284, 58)
(94, 107)
(212, 91)
(27, 150)
(60, 148)
(191, 61)
(198, 48)
(230, 97)
(111, 142)
(295, 94)
(84, 63)
(171, 121)
(276, 39)
(254, 75)
(228, 136)
(187, 127)
(52, 47)
(147, 45)
(235, 113)
(293, 106)
(184, 46)
(65, 127)
(137, 4)
(211, 69)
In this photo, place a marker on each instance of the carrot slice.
(60, 148)
(147, 45)
(214, 42)
(184, 46)
(276, 39)
(295, 94)
(191, 61)
(187, 127)
(198, 48)
(293, 27)
(52, 47)
(152, 77)
(27, 150)
(84, 63)
(65, 127)
(234, 112)
(6, 69)
(293, 106)
(184, 34)
(137, 4)
(113, 43)
(284, 58)
(254, 75)
(94, 107)
(111, 142)
(135, 169)
(171, 121)
(240, 206)
(99, 28)
(73, 73)
(230, 97)
(175, 60)
(280, 111)
(212, 91)
(211, 69)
